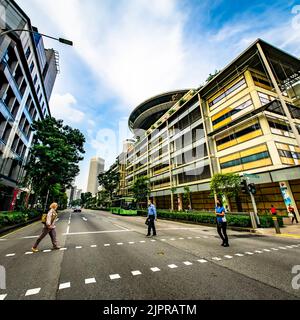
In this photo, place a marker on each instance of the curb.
(7, 230)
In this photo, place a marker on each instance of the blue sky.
(126, 51)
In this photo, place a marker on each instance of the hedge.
(243, 221)
(16, 217)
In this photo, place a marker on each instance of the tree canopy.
(227, 184)
(141, 189)
(54, 156)
(109, 180)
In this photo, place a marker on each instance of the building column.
(180, 202)
(288, 197)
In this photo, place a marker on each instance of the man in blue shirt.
(222, 223)
(152, 216)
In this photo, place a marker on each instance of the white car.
(77, 209)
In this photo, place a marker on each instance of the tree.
(103, 199)
(211, 76)
(85, 198)
(225, 185)
(54, 156)
(173, 191)
(109, 180)
(141, 189)
(187, 196)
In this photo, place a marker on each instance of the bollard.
(276, 225)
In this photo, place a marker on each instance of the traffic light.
(244, 186)
(252, 188)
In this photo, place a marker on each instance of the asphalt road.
(108, 257)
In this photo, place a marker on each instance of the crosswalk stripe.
(64, 285)
(187, 263)
(136, 273)
(155, 269)
(90, 280)
(228, 257)
(114, 276)
(32, 292)
(202, 260)
(216, 259)
(2, 296)
(172, 266)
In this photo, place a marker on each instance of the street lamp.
(64, 41)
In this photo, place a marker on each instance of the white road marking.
(90, 280)
(28, 252)
(283, 248)
(181, 238)
(107, 245)
(10, 255)
(123, 228)
(84, 219)
(190, 238)
(57, 219)
(258, 251)
(47, 250)
(131, 242)
(3, 239)
(136, 273)
(274, 249)
(64, 285)
(216, 259)
(79, 247)
(142, 241)
(2, 296)
(114, 276)
(249, 253)
(120, 243)
(187, 263)
(63, 249)
(153, 240)
(172, 239)
(202, 260)
(266, 250)
(290, 247)
(172, 266)
(94, 232)
(228, 257)
(68, 229)
(205, 237)
(93, 246)
(294, 246)
(198, 237)
(32, 292)
(155, 269)
(239, 255)
(69, 222)
(30, 237)
(163, 239)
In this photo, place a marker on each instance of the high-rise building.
(27, 76)
(245, 120)
(96, 167)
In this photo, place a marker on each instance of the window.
(35, 79)
(6, 133)
(31, 66)
(289, 154)
(279, 126)
(239, 108)
(240, 161)
(28, 52)
(238, 134)
(228, 92)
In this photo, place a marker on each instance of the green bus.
(124, 206)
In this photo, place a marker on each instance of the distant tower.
(96, 167)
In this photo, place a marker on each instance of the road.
(108, 257)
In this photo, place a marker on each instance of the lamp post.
(62, 40)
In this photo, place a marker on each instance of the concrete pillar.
(180, 202)
(288, 196)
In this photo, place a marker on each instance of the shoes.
(155, 235)
(148, 235)
(226, 245)
(55, 248)
(222, 244)
(35, 250)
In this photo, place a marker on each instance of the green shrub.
(267, 221)
(16, 217)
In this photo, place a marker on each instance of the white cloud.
(63, 107)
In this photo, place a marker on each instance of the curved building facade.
(148, 112)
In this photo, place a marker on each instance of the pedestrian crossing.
(156, 269)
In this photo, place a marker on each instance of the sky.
(126, 51)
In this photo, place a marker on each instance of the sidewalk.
(289, 231)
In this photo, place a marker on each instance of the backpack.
(53, 218)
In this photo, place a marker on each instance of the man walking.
(292, 213)
(152, 216)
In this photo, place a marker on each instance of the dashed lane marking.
(258, 251)
(172, 266)
(142, 241)
(282, 248)
(228, 257)
(2, 296)
(84, 219)
(90, 280)
(187, 263)
(30, 237)
(114, 276)
(202, 260)
(155, 269)
(239, 255)
(120, 243)
(216, 259)
(106, 245)
(136, 273)
(10, 255)
(28, 252)
(32, 292)
(78, 247)
(63, 249)
(153, 240)
(274, 249)
(131, 242)
(267, 250)
(249, 253)
(45, 251)
(93, 246)
(65, 285)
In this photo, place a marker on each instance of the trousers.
(151, 225)
(222, 227)
(52, 234)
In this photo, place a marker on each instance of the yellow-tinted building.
(246, 120)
